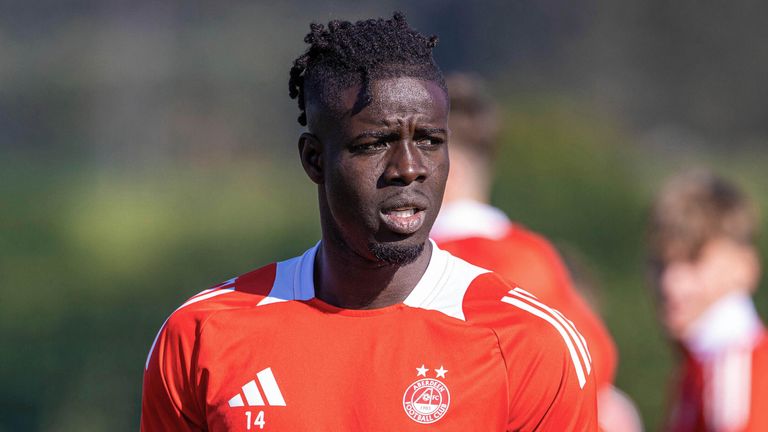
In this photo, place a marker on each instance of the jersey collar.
(303, 282)
(730, 322)
(468, 218)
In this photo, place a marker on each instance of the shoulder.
(274, 283)
(239, 292)
(496, 302)
(183, 326)
(244, 289)
(550, 384)
(548, 364)
(490, 299)
(527, 328)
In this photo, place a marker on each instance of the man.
(706, 268)
(470, 228)
(374, 328)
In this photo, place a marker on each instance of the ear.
(311, 155)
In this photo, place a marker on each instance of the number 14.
(258, 421)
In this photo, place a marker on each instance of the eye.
(429, 142)
(369, 147)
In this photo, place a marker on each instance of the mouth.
(404, 219)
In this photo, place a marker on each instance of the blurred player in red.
(374, 328)
(470, 228)
(706, 268)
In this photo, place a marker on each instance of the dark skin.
(381, 174)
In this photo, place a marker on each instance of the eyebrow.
(391, 134)
(377, 134)
(431, 130)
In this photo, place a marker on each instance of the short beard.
(396, 255)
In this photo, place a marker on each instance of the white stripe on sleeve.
(551, 320)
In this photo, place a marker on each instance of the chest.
(323, 372)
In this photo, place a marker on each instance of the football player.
(374, 327)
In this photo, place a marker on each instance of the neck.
(347, 280)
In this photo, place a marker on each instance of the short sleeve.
(170, 399)
(551, 381)
(545, 392)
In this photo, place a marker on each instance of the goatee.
(395, 254)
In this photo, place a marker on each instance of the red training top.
(724, 392)
(464, 352)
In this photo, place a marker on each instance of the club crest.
(427, 400)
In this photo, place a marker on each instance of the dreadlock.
(346, 54)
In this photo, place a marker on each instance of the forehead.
(389, 98)
(396, 96)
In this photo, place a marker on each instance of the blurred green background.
(148, 151)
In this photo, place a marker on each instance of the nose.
(405, 165)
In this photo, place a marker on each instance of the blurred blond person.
(705, 267)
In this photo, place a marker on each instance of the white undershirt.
(729, 322)
(468, 218)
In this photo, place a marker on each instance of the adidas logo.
(253, 395)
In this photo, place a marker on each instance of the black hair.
(346, 54)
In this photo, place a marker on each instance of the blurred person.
(470, 228)
(705, 267)
(373, 328)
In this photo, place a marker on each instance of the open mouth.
(403, 219)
